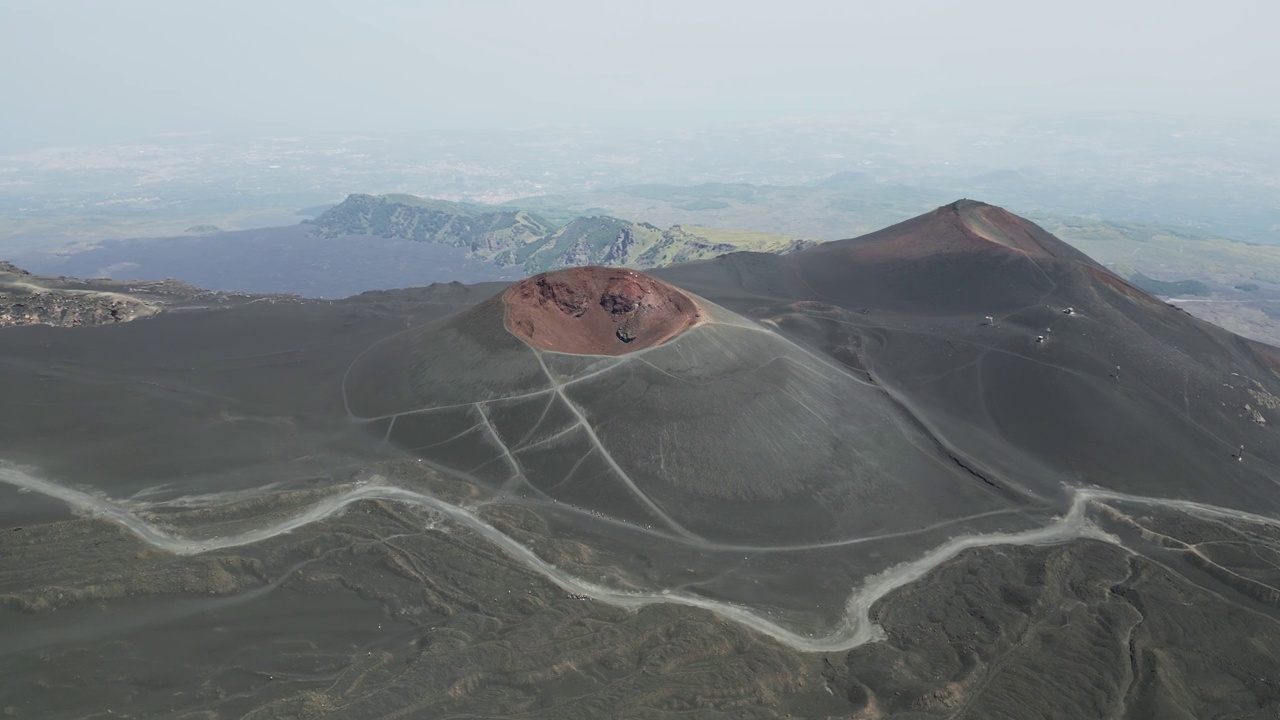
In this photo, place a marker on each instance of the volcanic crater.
(598, 311)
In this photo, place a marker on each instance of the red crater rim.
(597, 311)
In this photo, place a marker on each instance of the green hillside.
(511, 237)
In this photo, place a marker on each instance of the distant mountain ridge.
(511, 237)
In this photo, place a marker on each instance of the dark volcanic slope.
(724, 436)
(1123, 391)
(950, 469)
(963, 258)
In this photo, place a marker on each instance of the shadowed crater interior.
(597, 311)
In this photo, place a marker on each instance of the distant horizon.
(20, 144)
(83, 73)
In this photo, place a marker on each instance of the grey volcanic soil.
(392, 506)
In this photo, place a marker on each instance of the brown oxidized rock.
(597, 311)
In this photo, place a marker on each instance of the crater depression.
(597, 311)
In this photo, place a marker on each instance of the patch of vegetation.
(752, 240)
(704, 204)
(508, 236)
(707, 192)
(1176, 288)
(1165, 251)
(410, 218)
(315, 210)
(48, 231)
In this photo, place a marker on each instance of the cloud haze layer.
(80, 71)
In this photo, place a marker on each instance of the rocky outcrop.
(619, 251)
(63, 309)
(26, 299)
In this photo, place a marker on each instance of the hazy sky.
(74, 72)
